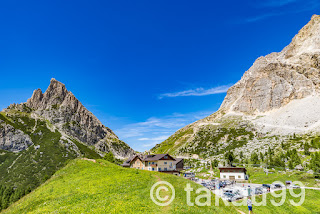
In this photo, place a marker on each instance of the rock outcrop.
(12, 139)
(278, 78)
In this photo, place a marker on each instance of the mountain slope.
(279, 96)
(87, 187)
(39, 137)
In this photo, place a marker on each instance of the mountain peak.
(278, 78)
(65, 111)
(307, 40)
(56, 83)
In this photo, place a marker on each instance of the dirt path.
(240, 211)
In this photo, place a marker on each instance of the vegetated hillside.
(87, 187)
(39, 137)
(24, 171)
(102, 187)
(276, 102)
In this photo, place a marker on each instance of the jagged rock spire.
(64, 110)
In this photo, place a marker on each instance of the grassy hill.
(87, 187)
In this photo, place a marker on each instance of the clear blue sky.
(144, 68)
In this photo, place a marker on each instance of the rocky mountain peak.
(54, 95)
(66, 112)
(307, 40)
(278, 78)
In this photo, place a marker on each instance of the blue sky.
(144, 68)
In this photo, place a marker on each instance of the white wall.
(225, 175)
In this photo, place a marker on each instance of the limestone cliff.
(278, 78)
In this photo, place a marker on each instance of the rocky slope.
(66, 114)
(278, 97)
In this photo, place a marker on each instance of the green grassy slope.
(87, 187)
(24, 171)
(258, 176)
(204, 140)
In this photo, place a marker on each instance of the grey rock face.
(278, 78)
(12, 139)
(65, 111)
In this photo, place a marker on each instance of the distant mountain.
(277, 98)
(39, 137)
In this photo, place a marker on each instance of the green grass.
(85, 150)
(87, 187)
(256, 175)
(310, 205)
(173, 143)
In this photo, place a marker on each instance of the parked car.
(222, 185)
(211, 187)
(204, 184)
(237, 197)
(258, 191)
(228, 196)
(266, 185)
(277, 186)
(294, 186)
(228, 182)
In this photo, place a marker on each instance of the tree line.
(9, 195)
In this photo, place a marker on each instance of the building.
(232, 173)
(179, 164)
(157, 162)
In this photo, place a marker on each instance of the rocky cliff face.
(65, 113)
(277, 97)
(278, 78)
(12, 139)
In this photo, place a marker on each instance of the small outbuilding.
(232, 173)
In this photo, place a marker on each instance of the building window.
(152, 169)
(165, 169)
(224, 176)
(239, 176)
(165, 162)
(159, 169)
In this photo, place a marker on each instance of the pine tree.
(229, 156)
(315, 163)
(261, 157)
(254, 158)
(306, 148)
